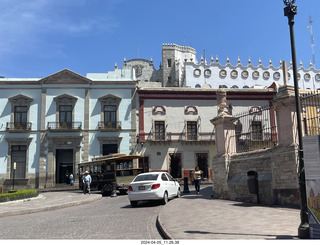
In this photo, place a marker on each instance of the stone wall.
(277, 176)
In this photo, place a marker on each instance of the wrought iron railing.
(109, 125)
(19, 126)
(256, 129)
(310, 103)
(64, 126)
(169, 136)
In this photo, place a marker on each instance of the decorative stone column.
(285, 163)
(286, 119)
(225, 144)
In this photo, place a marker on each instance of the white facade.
(246, 76)
(51, 124)
(174, 125)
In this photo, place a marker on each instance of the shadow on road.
(243, 234)
(144, 204)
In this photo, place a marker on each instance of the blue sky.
(41, 37)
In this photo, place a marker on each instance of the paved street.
(192, 216)
(107, 218)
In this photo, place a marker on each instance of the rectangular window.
(256, 128)
(169, 62)
(20, 116)
(18, 156)
(159, 130)
(169, 79)
(108, 149)
(110, 116)
(65, 115)
(192, 131)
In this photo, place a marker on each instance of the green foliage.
(18, 194)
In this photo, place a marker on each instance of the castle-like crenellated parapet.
(178, 47)
(238, 75)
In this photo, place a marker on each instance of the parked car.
(153, 186)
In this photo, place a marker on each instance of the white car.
(153, 186)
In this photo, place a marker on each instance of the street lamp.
(303, 231)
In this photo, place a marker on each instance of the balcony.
(109, 126)
(177, 137)
(64, 127)
(19, 127)
(197, 137)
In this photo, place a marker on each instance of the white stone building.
(174, 129)
(49, 125)
(180, 68)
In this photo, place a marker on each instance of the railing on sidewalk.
(256, 129)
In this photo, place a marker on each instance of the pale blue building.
(49, 125)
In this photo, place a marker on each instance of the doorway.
(175, 165)
(64, 165)
(202, 160)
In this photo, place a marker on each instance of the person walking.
(197, 176)
(71, 179)
(86, 182)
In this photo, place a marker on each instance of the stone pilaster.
(42, 171)
(225, 145)
(286, 116)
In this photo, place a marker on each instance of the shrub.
(17, 195)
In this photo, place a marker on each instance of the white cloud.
(29, 25)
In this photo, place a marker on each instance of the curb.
(162, 230)
(55, 207)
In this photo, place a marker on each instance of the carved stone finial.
(310, 64)
(217, 60)
(249, 61)
(285, 72)
(238, 60)
(222, 101)
(228, 59)
(259, 61)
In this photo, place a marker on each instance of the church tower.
(173, 59)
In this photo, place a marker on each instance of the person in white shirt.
(86, 182)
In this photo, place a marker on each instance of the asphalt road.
(108, 218)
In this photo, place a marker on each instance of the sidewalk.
(191, 217)
(201, 217)
(46, 201)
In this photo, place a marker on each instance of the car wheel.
(106, 190)
(178, 193)
(133, 203)
(165, 198)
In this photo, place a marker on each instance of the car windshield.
(146, 177)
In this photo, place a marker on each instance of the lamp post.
(303, 231)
